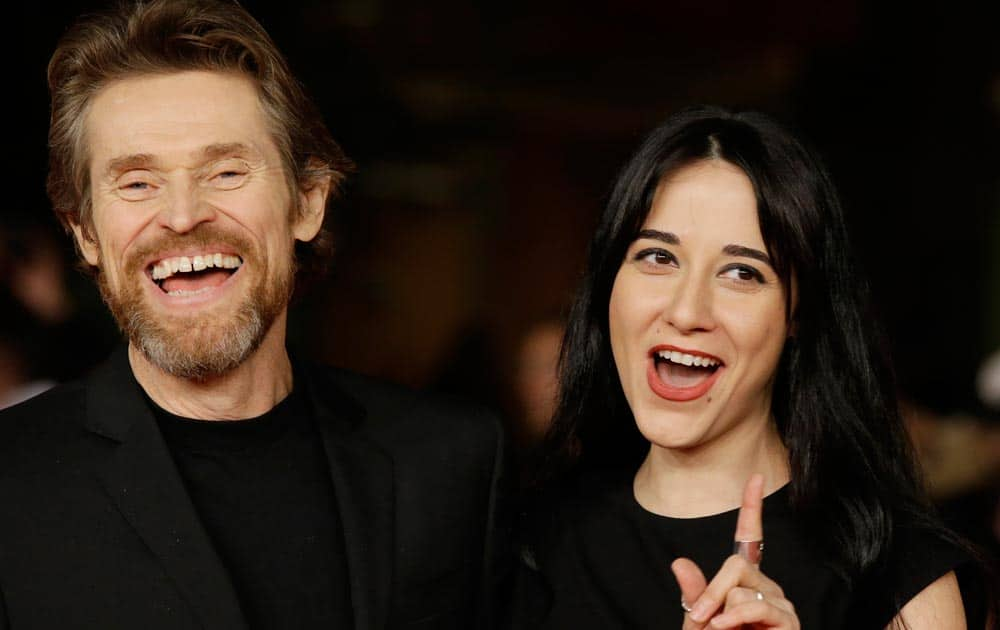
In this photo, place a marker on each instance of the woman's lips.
(679, 382)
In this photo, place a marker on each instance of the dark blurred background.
(487, 136)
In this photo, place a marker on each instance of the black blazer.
(97, 530)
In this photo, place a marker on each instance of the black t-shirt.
(605, 563)
(263, 491)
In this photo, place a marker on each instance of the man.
(201, 478)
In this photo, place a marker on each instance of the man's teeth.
(183, 293)
(687, 359)
(184, 264)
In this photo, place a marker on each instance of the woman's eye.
(743, 273)
(655, 259)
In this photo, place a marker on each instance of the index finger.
(749, 525)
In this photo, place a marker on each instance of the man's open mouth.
(188, 275)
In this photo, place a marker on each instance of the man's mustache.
(203, 235)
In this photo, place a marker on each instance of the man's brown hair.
(164, 36)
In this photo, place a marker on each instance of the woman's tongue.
(677, 375)
(195, 280)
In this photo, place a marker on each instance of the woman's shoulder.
(920, 553)
(924, 553)
(919, 548)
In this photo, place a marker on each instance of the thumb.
(692, 583)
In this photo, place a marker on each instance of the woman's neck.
(709, 479)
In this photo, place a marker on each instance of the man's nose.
(184, 208)
(688, 308)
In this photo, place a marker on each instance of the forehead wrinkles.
(178, 104)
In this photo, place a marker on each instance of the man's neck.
(249, 390)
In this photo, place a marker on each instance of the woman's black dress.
(602, 561)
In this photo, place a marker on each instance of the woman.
(721, 335)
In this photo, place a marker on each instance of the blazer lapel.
(143, 481)
(362, 480)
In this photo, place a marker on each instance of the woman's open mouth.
(680, 375)
(182, 276)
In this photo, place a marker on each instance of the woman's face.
(697, 312)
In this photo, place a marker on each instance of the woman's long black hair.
(853, 477)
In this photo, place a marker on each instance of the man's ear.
(88, 246)
(312, 209)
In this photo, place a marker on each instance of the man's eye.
(227, 177)
(743, 273)
(135, 188)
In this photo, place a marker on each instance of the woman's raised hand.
(739, 595)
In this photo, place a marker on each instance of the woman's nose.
(689, 307)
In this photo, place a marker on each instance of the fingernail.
(701, 610)
(720, 621)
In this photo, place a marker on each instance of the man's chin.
(203, 351)
(203, 342)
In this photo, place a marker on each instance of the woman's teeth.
(687, 359)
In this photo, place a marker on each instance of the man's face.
(194, 222)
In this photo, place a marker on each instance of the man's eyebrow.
(747, 252)
(227, 149)
(667, 237)
(128, 162)
(216, 151)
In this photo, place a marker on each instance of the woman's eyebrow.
(730, 250)
(747, 252)
(667, 237)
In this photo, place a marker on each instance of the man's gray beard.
(203, 358)
(198, 347)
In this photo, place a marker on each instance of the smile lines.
(184, 264)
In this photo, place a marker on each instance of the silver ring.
(760, 596)
(749, 550)
(685, 607)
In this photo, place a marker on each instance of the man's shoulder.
(389, 409)
(42, 424)
(48, 406)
